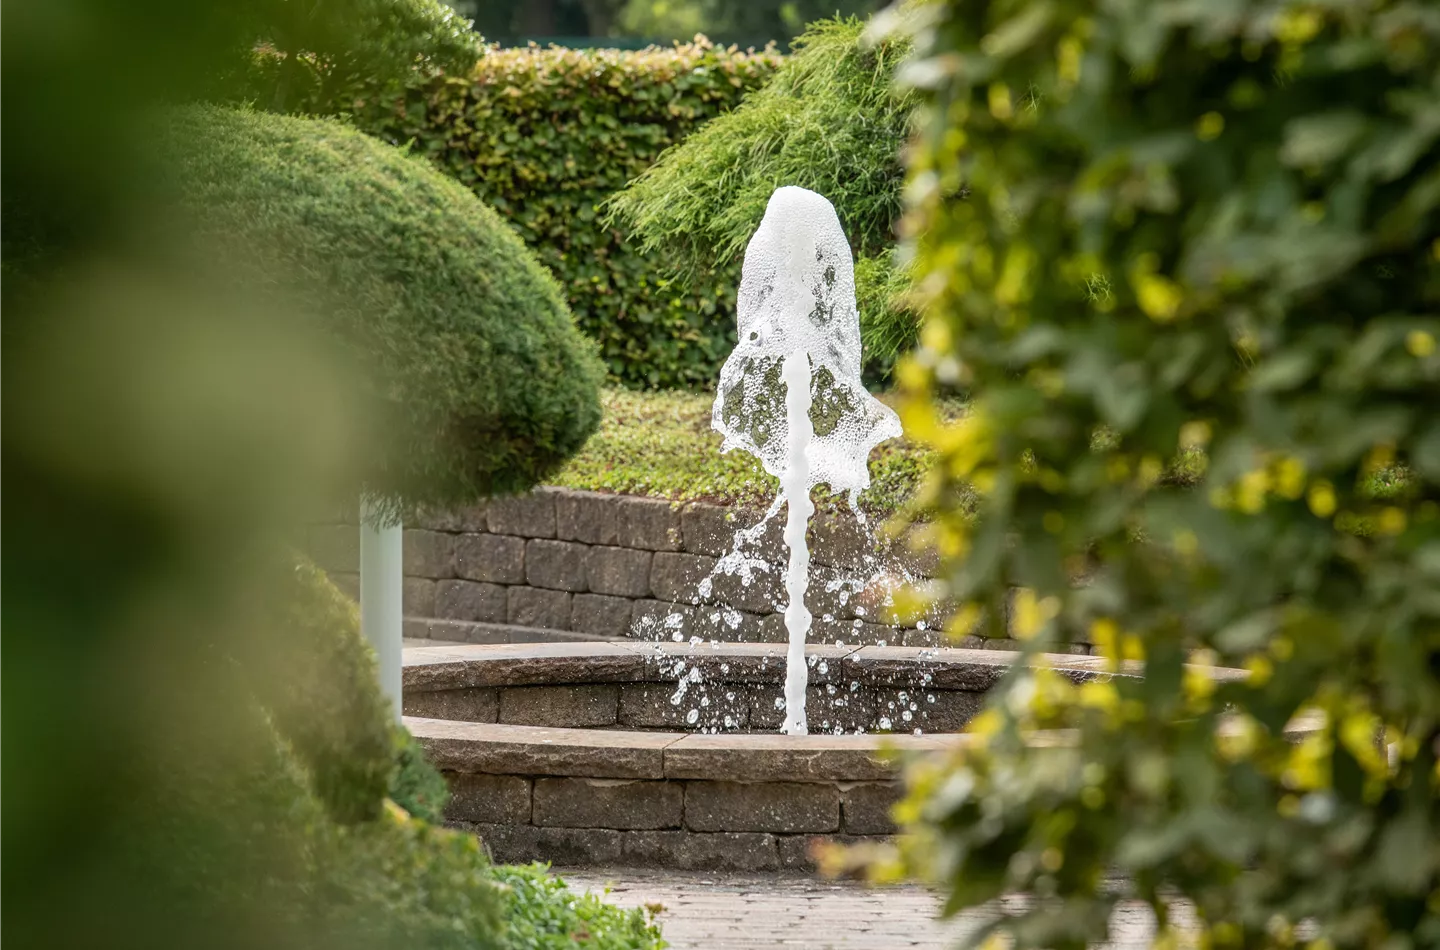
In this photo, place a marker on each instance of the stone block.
(437, 519)
(947, 710)
(526, 516)
(608, 803)
(470, 600)
(429, 553)
(334, 547)
(582, 847)
(916, 549)
(415, 628)
(472, 631)
(587, 517)
(788, 807)
(827, 706)
(624, 572)
(711, 529)
(600, 615)
(417, 597)
(724, 623)
(555, 565)
(691, 851)
(708, 529)
(797, 852)
(501, 799)
(849, 632)
(838, 540)
(561, 707)
(650, 524)
(493, 558)
(533, 607)
(865, 807)
(676, 577)
(348, 584)
(521, 750)
(469, 704)
(505, 843)
(647, 706)
(523, 663)
(774, 758)
(657, 620)
(763, 592)
(471, 519)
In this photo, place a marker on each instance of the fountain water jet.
(799, 333)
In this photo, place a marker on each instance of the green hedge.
(545, 136)
(832, 121)
(477, 381)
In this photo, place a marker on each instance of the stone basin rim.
(475, 665)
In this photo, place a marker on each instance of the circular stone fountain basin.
(574, 753)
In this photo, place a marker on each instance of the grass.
(660, 444)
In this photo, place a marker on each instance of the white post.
(381, 581)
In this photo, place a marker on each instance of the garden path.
(719, 911)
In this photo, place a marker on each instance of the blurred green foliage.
(195, 752)
(544, 136)
(416, 785)
(829, 121)
(1192, 225)
(474, 365)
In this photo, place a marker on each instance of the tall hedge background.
(545, 136)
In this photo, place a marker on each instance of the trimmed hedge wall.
(545, 136)
(477, 381)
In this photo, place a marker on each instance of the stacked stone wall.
(561, 564)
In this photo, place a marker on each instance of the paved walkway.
(749, 912)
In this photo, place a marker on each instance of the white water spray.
(800, 335)
(795, 488)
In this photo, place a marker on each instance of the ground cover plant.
(830, 120)
(1189, 225)
(545, 136)
(660, 444)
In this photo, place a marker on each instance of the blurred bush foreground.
(211, 322)
(1189, 225)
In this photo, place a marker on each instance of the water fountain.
(662, 753)
(797, 363)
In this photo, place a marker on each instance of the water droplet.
(824, 667)
(779, 702)
(885, 722)
(692, 716)
(906, 715)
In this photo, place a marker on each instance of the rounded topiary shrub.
(476, 380)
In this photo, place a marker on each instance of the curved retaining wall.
(571, 753)
(559, 564)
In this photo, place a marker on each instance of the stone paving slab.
(754, 911)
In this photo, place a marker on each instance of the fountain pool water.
(790, 393)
